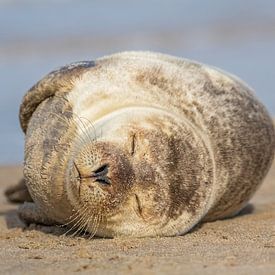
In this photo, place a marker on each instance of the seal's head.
(136, 177)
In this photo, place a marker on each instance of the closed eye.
(133, 144)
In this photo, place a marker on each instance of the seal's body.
(142, 144)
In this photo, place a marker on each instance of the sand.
(241, 245)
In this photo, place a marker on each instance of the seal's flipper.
(30, 213)
(18, 193)
(58, 82)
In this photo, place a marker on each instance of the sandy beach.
(40, 36)
(241, 245)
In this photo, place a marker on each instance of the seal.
(141, 144)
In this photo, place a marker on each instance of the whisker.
(88, 128)
(86, 227)
(76, 224)
(69, 123)
(83, 224)
(74, 216)
(83, 127)
(96, 224)
(85, 131)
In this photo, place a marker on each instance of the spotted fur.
(142, 144)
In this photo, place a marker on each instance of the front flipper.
(18, 193)
(58, 82)
(30, 213)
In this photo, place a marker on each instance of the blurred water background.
(38, 36)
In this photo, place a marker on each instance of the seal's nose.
(101, 174)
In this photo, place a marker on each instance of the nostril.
(103, 170)
(103, 180)
(101, 173)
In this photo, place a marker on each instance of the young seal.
(142, 144)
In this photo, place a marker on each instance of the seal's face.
(131, 176)
(104, 174)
